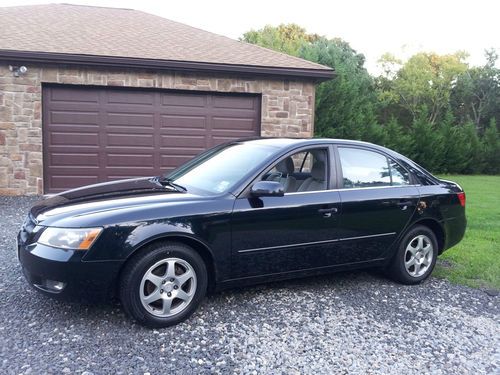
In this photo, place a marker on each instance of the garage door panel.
(67, 159)
(233, 123)
(114, 133)
(120, 173)
(125, 140)
(77, 128)
(234, 103)
(184, 100)
(131, 119)
(68, 139)
(74, 117)
(185, 141)
(185, 122)
(68, 181)
(130, 97)
(121, 160)
(171, 162)
(69, 94)
(181, 151)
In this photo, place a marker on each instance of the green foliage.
(491, 144)
(476, 94)
(433, 108)
(422, 86)
(283, 38)
(397, 138)
(345, 105)
(456, 148)
(427, 144)
(475, 164)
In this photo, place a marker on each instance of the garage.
(97, 134)
(110, 93)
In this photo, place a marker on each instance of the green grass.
(476, 260)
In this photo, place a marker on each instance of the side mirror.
(268, 189)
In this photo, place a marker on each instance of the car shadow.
(60, 313)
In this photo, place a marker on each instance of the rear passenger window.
(363, 168)
(399, 174)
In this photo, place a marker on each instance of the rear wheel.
(416, 256)
(163, 285)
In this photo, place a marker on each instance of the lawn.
(475, 261)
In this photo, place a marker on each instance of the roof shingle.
(114, 32)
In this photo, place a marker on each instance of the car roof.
(285, 142)
(289, 143)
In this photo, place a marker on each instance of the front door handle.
(327, 212)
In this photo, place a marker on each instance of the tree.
(491, 151)
(423, 84)
(345, 105)
(397, 138)
(476, 95)
(433, 108)
(456, 147)
(476, 158)
(428, 144)
(283, 38)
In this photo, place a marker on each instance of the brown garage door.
(102, 134)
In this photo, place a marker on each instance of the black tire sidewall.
(135, 270)
(398, 270)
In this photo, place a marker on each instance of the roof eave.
(22, 57)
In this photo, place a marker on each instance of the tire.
(414, 260)
(163, 284)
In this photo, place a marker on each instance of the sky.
(400, 27)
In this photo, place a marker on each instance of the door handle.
(404, 204)
(327, 212)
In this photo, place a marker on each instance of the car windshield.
(222, 168)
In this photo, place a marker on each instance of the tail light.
(461, 198)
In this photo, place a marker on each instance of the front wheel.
(163, 285)
(416, 256)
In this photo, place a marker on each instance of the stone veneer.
(287, 110)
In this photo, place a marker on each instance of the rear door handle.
(404, 204)
(327, 212)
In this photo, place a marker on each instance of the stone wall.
(287, 110)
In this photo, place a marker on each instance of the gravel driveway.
(345, 323)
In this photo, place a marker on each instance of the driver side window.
(301, 172)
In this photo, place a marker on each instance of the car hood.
(106, 200)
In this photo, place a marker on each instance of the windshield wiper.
(168, 182)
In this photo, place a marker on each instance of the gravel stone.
(356, 322)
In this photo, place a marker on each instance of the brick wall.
(287, 110)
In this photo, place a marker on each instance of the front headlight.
(69, 238)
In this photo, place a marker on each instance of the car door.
(378, 200)
(292, 232)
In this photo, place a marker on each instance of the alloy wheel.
(418, 255)
(168, 287)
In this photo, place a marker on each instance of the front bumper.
(64, 274)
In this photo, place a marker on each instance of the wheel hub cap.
(168, 287)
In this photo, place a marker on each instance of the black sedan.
(241, 213)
